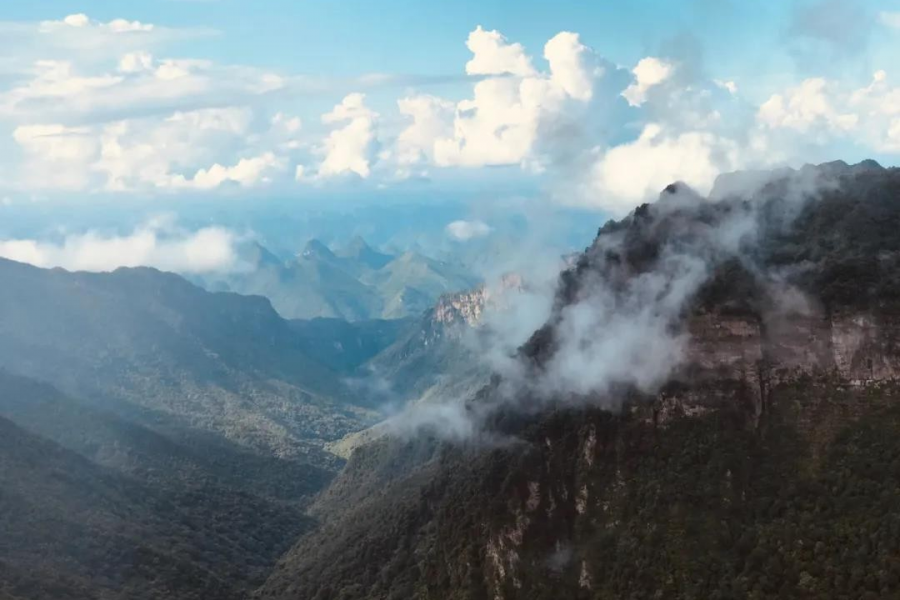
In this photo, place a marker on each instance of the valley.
(164, 441)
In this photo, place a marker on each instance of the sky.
(592, 106)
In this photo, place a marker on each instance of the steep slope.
(436, 357)
(362, 253)
(72, 529)
(200, 462)
(344, 346)
(155, 349)
(712, 412)
(411, 283)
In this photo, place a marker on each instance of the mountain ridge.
(781, 410)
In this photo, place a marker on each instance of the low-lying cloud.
(155, 244)
(616, 325)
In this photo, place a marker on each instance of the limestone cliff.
(766, 464)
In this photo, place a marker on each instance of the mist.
(615, 319)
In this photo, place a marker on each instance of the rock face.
(468, 307)
(765, 465)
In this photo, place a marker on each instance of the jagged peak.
(315, 248)
(360, 250)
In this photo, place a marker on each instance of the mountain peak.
(359, 250)
(316, 249)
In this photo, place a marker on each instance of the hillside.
(712, 411)
(156, 457)
(72, 529)
(157, 350)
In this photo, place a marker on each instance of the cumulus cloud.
(649, 72)
(824, 111)
(804, 107)
(431, 119)
(156, 244)
(631, 172)
(467, 230)
(492, 54)
(351, 147)
(247, 172)
(500, 124)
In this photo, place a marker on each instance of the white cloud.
(730, 86)
(288, 124)
(82, 21)
(350, 148)
(632, 172)
(56, 156)
(805, 107)
(432, 119)
(467, 230)
(151, 153)
(136, 62)
(824, 111)
(153, 245)
(247, 172)
(648, 73)
(569, 68)
(500, 124)
(493, 55)
(58, 89)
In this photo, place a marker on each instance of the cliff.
(747, 444)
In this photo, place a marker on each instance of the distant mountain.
(354, 283)
(155, 349)
(360, 252)
(411, 283)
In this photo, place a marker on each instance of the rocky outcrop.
(468, 307)
(734, 358)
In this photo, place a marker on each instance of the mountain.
(346, 346)
(360, 252)
(157, 350)
(711, 411)
(72, 529)
(355, 283)
(411, 283)
(150, 455)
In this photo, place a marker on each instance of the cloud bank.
(156, 244)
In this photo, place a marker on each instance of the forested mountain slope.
(712, 411)
(73, 529)
(158, 350)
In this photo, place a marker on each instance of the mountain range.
(709, 411)
(354, 283)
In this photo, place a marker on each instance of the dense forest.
(768, 466)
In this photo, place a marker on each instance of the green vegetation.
(356, 283)
(74, 530)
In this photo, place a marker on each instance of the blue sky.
(594, 105)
